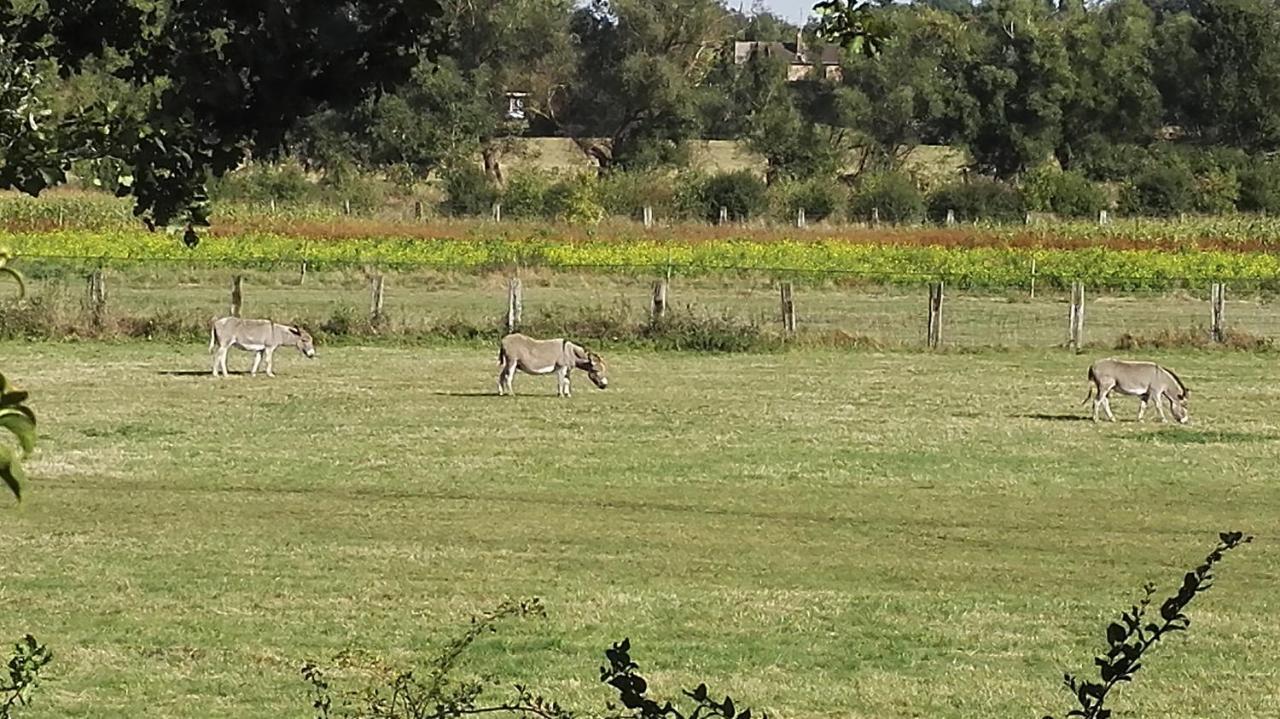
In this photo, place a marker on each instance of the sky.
(792, 10)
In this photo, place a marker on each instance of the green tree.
(1018, 79)
(637, 77)
(222, 80)
(1235, 94)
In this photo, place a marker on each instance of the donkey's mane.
(1176, 378)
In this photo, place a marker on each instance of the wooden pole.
(346, 207)
(417, 209)
(515, 303)
(951, 217)
(788, 309)
(800, 220)
(933, 336)
(302, 273)
(724, 215)
(1218, 297)
(237, 295)
(377, 288)
(1102, 217)
(497, 212)
(875, 216)
(97, 298)
(1033, 278)
(1075, 320)
(658, 309)
(647, 216)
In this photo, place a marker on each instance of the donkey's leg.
(1142, 407)
(1160, 406)
(270, 352)
(222, 359)
(511, 375)
(502, 380)
(562, 381)
(217, 357)
(257, 360)
(1106, 404)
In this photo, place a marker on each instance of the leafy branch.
(29, 657)
(20, 421)
(621, 674)
(853, 25)
(1129, 639)
(436, 694)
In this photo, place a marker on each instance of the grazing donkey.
(518, 352)
(1147, 380)
(260, 336)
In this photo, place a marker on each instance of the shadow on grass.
(1056, 417)
(1184, 435)
(494, 394)
(198, 372)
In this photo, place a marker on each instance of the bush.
(573, 200)
(977, 200)
(1217, 192)
(525, 195)
(741, 193)
(626, 194)
(1260, 187)
(1068, 194)
(258, 183)
(468, 192)
(1162, 190)
(894, 194)
(819, 198)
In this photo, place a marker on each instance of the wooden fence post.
(346, 207)
(237, 295)
(1218, 298)
(800, 220)
(497, 212)
(376, 291)
(951, 217)
(724, 215)
(933, 337)
(647, 216)
(515, 303)
(875, 216)
(1033, 278)
(302, 273)
(1075, 320)
(97, 297)
(788, 309)
(417, 209)
(1102, 217)
(658, 309)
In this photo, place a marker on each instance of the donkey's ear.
(295, 329)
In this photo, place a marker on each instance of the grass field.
(818, 534)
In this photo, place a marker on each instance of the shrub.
(626, 194)
(573, 200)
(1217, 192)
(1068, 194)
(258, 183)
(525, 195)
(741, 193)
(1162, 190)
(1260, 187)
(894, 194)
(977, 200)
(468, 191)
(819, 198)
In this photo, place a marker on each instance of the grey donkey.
(260, 336)
(518, 352)
(1147, 380)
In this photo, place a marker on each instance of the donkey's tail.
(1092, 386)
(213, 338)
(502, 355)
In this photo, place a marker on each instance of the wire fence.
(71, 296)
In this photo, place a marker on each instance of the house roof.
(789, 52)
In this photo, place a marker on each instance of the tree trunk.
(493, 165)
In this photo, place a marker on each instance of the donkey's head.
(302, 340)
(593, 365)
(1178, 405)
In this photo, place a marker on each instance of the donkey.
(260, 336)
(1147, 380)
(518, 352)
